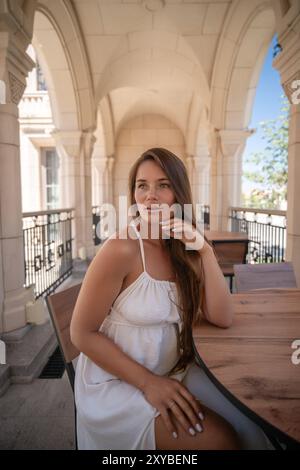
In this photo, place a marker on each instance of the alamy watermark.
(2, 352)
(295, 97)
(151, 217)
(2, 92)
(296, 354)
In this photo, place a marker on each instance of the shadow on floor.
(39, 415)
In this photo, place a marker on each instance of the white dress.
(111, 413)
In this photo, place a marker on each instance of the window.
(52, 182)
(40, 79)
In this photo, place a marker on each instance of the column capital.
(100, 163)
(288, 60)
(201, 162)
(67, 141)
(190, 162)
(232, 139)
(74, 142)
(17, 19)
(235, 135)
(110, 161)
(67, 136)
(198, 162)
(14, 67)
(88, 140)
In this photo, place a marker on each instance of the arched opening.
(265, 157)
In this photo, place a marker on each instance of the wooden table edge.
(267, 427)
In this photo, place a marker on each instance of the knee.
(232, 441)
(229, 438)
(222, 432)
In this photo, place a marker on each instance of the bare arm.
(217, 305)
(100, 287)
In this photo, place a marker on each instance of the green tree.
(271, 164)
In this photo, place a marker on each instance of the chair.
(264, 276)
(229, 253)
(60, 306)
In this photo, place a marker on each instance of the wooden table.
(217, 236)
(251, 362)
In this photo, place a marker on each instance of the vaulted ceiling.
(170, 57)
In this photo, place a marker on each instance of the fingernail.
(175, 435)
(192, 432)
(198, 427)
(201, 416)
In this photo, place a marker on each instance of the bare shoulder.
(120, 248)
(101, 285)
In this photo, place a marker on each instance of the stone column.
(287, 63)
(100, 188)
(110, 178)
(202, 179)
(76, 148)
(199, 176)
(227, 148)
(191, 174)
(14, 67)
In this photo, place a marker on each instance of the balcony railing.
(266, 230)
(96, 220)
(47, 237)
(205, 216)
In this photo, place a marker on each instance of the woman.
(133, 325)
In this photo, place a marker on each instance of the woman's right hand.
(170, 396)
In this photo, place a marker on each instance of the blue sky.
(267, 105)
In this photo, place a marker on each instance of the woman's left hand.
(184, 231)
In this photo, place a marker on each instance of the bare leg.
(217, 434)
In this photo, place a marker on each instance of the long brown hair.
(186, 263)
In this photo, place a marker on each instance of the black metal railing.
(47, 238)
(202, 216)
(96, 224)
(266, 230)
(206, 216)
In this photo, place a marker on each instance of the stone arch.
(245, 39)
(147, 102)
(105, 117)
(60, 50)
(154, 66)
(137, 135)
(195, 121)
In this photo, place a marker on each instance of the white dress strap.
(141, 243)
